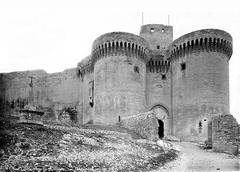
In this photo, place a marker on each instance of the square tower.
(158, 36)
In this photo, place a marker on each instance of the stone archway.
(163, 120)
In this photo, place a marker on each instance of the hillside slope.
(32, 147)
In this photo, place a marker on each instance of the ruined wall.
(19, 89)
(63, 87)
(62, 91)
(145, 124)
(37, 88)
(200, 81)
(225, 134)
(119, 76)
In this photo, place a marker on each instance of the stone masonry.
(225, 134)
(184, 81)
(145, 124)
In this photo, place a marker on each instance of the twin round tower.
(185, 81)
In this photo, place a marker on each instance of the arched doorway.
(163, 120)
(160, 128)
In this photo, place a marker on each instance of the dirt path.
(192, 158)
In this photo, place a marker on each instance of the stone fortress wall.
(119, 61)
(158, 92)
(200, 80)
(46, 91)
(184, 82)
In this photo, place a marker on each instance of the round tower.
(119, 61)
(200, 81)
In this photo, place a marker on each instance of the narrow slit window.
(200, 127)
(158, 47)
(218, 125)
(91, 93)
(183, 66)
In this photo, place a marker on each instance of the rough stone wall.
(200, 81)
(63, 87)
(225, 134)
(144, 124)
(119, 90)
(84, 99)
(46, 91)
(119, 76)
(199, 92)
(16, 86)
(199, 65)
(63, 91)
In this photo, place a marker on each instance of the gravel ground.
(193, 158)
(25, 147)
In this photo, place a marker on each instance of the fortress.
(184, 81)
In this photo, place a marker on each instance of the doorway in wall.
(160, 128)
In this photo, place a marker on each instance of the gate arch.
(162, 114)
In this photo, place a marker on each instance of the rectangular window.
(164, 77)
(183, 66)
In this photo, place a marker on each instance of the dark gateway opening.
(160, 129)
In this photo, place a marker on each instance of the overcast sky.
(54, 35)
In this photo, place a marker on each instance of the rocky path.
(193, 158)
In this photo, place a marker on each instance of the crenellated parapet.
(202, 40)
(119, 44)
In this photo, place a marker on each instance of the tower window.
(218, 125)
(183, 66)
(152, 30)
(91, 93)
(163, 30)
(136, 69)
(164, 77)
(200, 127)
(158, 47)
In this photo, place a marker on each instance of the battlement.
(202, 40)
(119, 43)
(158, 66)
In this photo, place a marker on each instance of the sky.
(57, 34)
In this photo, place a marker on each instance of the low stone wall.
(145, 124)
(225, 134)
